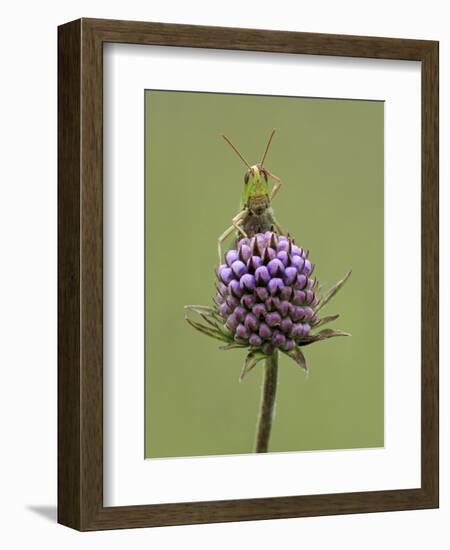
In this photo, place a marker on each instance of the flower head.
(267, 300)
(266, 293)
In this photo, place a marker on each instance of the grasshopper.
(256, 212)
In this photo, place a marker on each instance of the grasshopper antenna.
(267, 146)
(236, 151)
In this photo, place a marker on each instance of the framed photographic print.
(248, 274)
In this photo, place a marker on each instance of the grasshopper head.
(256, 191)
(255, 184)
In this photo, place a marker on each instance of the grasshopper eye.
(246, 177)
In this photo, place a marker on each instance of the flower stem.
(268, 395)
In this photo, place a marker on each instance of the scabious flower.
(266, 293)
(266, 300)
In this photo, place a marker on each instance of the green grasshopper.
(256, 213)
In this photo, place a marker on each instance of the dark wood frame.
(80, 265)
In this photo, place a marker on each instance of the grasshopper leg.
(222, 237)
(240, 217)
(277, 226)
(238, 226)
(277, 185)
(236, 221)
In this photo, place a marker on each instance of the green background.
(329, 155)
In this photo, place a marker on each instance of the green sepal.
(297, 355)
(233, 345)
(322, 335)
(253, 357)
(325, 320)
(332, 292)
(202, 310)
(209, 331)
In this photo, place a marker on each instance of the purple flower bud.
(269, 254)
(306, 329)
(262, 293)
(245, 241)
(247, 282)
(283, 244)
(296, 331)
(251, 322)
(264, 331)
(313, 319)
(290, 275)
(222, 289)
(241, 332)
(225, 274)
(301, 281)
(232, 301)
(297, 313)
(224, 310)
(235, 288)
(232, 322)
(240, 313)
(268, 348)
(299, 297)
(288, 345)
(309, 296)
(254, 263)
(248, 301)
(286, 325)
(296, 250)
(285, 293)
(275, 285)
(255, 341)
(259, 311)
(311, 283)
(272, 303)
(284, 308)
(278, 338)
(260, 240)
(298, 262)
(275, 267)
(219, 299)
(308, 267)
(273, 319)
(309, 312)
(283, 256)
(231, 256)
(244, 252)
(239, 268)
(262, 275)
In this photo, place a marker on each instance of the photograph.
(264, 273)
(226, 247)
(247, 274)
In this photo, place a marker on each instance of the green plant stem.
(268, 396)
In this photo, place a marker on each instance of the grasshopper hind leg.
(236, 226)
(277, 227)
(222, 238)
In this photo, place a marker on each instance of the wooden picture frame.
(80, 272)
